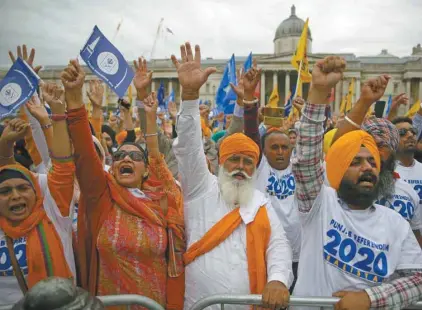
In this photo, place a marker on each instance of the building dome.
(291, 27)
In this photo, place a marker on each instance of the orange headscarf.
(205, 130)
(238, 143)
(121, 136)
(44, 249)
(341, 154)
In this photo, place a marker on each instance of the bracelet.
(352, 122)
(58, 117)
(250, 101)
(60, 158)
(45, 127)
(150, 134)
(7, 157)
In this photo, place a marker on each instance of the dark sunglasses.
(134, 155)
(403, 131)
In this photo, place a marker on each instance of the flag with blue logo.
(226, 97)
(17, 87)
(105, 60)
(169, 98)
(288, 105)
(248, 63)
(389, 103)
(160, 94)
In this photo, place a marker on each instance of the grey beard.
(386, 180)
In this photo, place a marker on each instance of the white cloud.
(58, 29)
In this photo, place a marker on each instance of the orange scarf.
(153, 213)
(44, 249)
(258, 235)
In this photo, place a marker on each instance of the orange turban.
(328, 139)
(238, 143)
(341, 154)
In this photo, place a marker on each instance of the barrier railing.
(256, 300)
(128, 300)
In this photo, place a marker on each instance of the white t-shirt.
(10, 292)
(412, 175)
(405, 201)
(279, 186)
(344, 249)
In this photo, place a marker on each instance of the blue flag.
(17, 87)
(225, 95)
(107, 62)
(248, 63)
(169, 98)
(389, 103)
(289, 105)
(160, 94)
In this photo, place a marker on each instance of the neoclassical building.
(277, 71)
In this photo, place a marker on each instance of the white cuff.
(190, 107)
(238, 110)
(287, 280)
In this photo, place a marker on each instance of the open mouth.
(126, 170)
(280, 159)
(18, 209)
(367, 181)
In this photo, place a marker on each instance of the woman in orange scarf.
(35, 228)
(130, 227)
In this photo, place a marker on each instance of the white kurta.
(224, 269)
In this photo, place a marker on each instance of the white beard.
(235, 191)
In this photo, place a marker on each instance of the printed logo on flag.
(17, 87)
(105, 61)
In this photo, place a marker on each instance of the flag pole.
(298, 78)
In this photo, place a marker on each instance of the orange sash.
(258, 235)
(44, 249)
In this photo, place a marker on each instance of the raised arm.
(89, 170)
(61, 176)
(372, 90)
(307, 158)
(15, 131)
(188, 146)
(96, 95)
(397, 101)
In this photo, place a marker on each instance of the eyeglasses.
(134, 155)
(403, 131)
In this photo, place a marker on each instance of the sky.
(58, 29)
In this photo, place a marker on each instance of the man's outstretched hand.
(191, 76)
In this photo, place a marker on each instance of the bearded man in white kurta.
(235, 242)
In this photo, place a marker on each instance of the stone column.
(170, 86)
(420, 89)
(287, 84)
(357, 90)
(275, 79)
(338, 96)
(153, 85)
(262, 91)
(407, 87)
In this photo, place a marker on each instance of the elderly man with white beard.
(235, 243)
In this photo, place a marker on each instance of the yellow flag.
(414, 109)
(129, 94)
(343, 105)
(349, 98)
(300, 56)
(274, 98)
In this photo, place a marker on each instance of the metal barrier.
(256, 300)
(128, 300)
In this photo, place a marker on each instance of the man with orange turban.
(235, 242)
(351, 247)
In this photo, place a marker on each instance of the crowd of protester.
(177, 205)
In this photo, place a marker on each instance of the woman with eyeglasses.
(130, 220)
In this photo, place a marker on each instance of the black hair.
(269, 133)
(143, 151)
(402, 119)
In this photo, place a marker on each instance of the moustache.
(239, 172)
